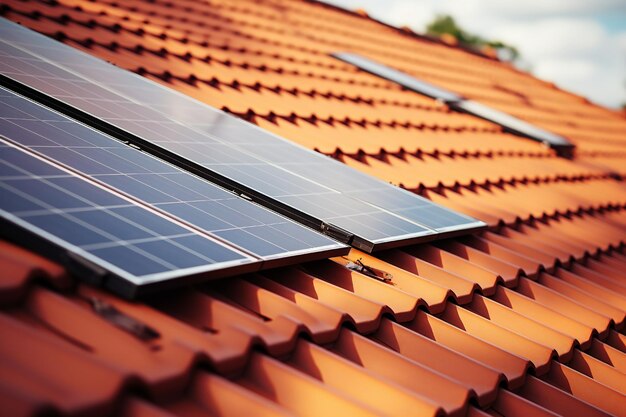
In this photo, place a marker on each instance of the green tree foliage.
(445, 24)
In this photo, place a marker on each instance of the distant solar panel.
(510, 123)
(457, 102)
(405, 80)
(295, 181)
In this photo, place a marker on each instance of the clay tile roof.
(526, 318)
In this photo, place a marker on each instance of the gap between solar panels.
(511, 124)
(311, 188)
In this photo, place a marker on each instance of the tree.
(445, 24)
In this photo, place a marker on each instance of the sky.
(580, 45)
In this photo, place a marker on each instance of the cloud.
(562, 41)
(529, 8)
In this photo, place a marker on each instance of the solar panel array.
(457, 102)
(111, 202)
(101, 223)
(193, 200)
(103, 228)
(303, 184)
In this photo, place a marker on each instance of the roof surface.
(524, 319)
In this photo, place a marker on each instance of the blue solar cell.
(14, 202)
(30, 138)
(67, 228)
(46, 193)
(171, 252)
(87, 192)
(243, 236)
(218, 253)
(128, 259)
(154, 223)
(195, 216)
(18, 160)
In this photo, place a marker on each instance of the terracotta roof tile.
(536, 331)
(21, 267)
(482, 380)
(608, 296)
(214, 395)
(536, 354)
(452, 396)
(460, 286)
(42, 369)
(599, 371)
(364, 314)
(320, 321)
(587, 389)
(286, 386)
(576, 290)
(377, 392)
(509, 404)
(206, 311)
(526, 318)
(608, 355)
(566, 306)
(556, 400)
(513, 367)
(484, 278)
(617, 340)
(546, 316)
(390, 299)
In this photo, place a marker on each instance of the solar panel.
(457, 102)
(252, 228)
(91, 228)
(510, 123)
(405, 80)
(307, 186)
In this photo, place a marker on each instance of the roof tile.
(513, 367)
(564, 305)
(509, 340)
(483, 381)
(452, 396)
(519, 323)
(21, 267)
(556, 400)
(43, 368)
(381, 394)
(608, 355)
(286, 387)
(587, 389)
(509, 404)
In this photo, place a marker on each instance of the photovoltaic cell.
(303, 184)
(250, 227)
(457, 102)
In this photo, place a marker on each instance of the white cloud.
(543, 7)
(558, 39)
